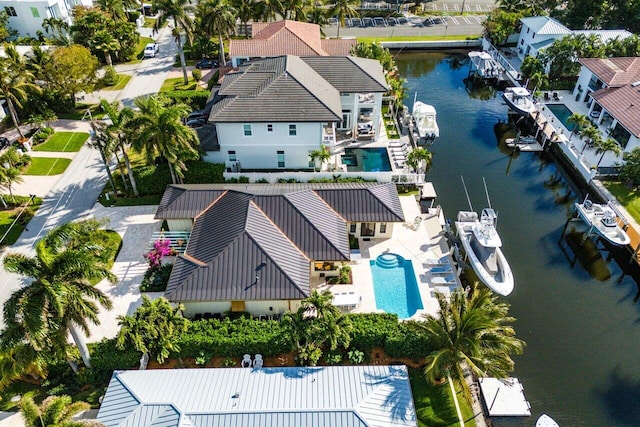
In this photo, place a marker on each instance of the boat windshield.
(609, 219)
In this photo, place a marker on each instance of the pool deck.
(422, 242)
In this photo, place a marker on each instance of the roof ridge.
(320, 51)
(381, 186)
(354, 62)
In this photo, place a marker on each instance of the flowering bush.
(161, 249)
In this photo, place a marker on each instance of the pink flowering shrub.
(161, 249)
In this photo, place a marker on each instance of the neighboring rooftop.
(544, 25)
(288, 38)
(300, 396)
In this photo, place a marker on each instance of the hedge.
(196, 99)
(154, 179)
(106, 358)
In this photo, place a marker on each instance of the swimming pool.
(395, 286)
(562, 113)
(366, 160)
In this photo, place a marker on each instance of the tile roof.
(279, 227)
(338, 47)
(545, 25)
(623, 104)
(297, 396)
(614, 71)
(350, 74)
(279, 89)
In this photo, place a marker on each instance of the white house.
(611, 89)
(262, 248)
(26, 16)
(273, 112)
(539, 32)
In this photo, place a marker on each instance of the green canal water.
(575, 307)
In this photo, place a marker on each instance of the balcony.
(366, 98)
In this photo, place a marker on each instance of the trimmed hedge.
(199, 172)
(154, 179)
(106, 358)
(196, 99)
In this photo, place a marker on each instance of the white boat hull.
(594, 216)
(424, 116)
(500, 282)
(546, 421)
(519, 101)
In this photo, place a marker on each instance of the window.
(312, 160)
(34, 12)
(533, 36)
(346, 119)
(269, 127)
(344, 94)
(293, 130)
(383, 228)
(232, 156)
(352, 228)
(280, 159)
(51, 12)
(11, 11)
(368, 229)
(247, 130)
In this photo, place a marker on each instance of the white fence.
(273, 177)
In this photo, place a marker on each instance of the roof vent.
(634, 84)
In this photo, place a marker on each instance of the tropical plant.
(160, 131)
(579, 121)
(115, 9)
(500, 24)
(590, 133)
(630, 170)
(58, 29)
(178, 11)
(106, 43)
(321, 155)
(245, 10)
(20, 360)
(295, 9)
(217, 17)
(10, 173)
(343, 9)
(54, 411)
(473, 331)
(15, 80)
(161, 248)
(60, 299)
(605, 146)
(356, 357)
(268, 10)
(105, 144)
(419, 158)
(317, 15)
(154, 329)
(72, 69)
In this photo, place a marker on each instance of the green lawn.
(63, 142)
(177, 83)
(628, 197)
(417, 38)
(122, 82)
(80, 112)
(153, 199)
(434, 404)
(8, 216)
(47, 166)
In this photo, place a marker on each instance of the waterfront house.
(610, 88)
(262, 248)
(286, 37)
(288, 396)
(272, 113)
(26, 17)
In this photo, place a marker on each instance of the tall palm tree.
(589, 133)
(579, 121)
(54, 411)
(105, 144)
(154, 329)
(246, 10)
(321, 155)
(59, 30)
(37, 60)
(119, 128)
(15, 80)
(9, 171)
(605, 146)
(420, 158)
(474, 331)
(60, 298)
(106, 43)
(218, 17)
(160, 132)
(295, 9)
(268, 10)
(343, 9)
(319, 305)
(178, 11)
(114, 8)
(317, 15)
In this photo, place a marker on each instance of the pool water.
(366, 160)
(562, 113)
(395, 286)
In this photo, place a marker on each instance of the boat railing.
(618, 213)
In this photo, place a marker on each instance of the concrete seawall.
(431, 44)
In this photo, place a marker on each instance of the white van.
(150, 50)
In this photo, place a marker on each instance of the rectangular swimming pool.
(366, 160)
(395, 286)
(562, 113)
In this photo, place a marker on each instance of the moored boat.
(519, 100)
(546, 421)
(602, 220)
(424, 116)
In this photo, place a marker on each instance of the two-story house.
(26, 16)
(272, 113)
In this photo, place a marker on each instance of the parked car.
(4, 142)
(196, 123)
(196, 114)
(206, 63)
(151, 50)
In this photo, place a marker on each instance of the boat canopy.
(519, 91)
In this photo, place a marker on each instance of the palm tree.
(106, 43)
(54, 411)
(319, 305)
(154, 329)
(218, 17)
(15, 80)
(59, 30)
(295, 9)
(419, 157)
(114, 8)
(268, 10)
(343, 9)
(321, 155)
(608, 145)
(119, 128)
(160, 131)
(20, 360)
(317, 15)
(60, 298)
(579, 122)
(105, 144)
(473, 331)
(245, 9)
(37, 60)
(9, 171)
(178, 11)
(590, 133)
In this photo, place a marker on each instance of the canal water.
(575, 308)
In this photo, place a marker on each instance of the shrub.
(356, 357)
(408, 341)
(213, 80)
(199, 172)
(197, 74)
(111, 77)
(152, 179)
(228, 363)
(42, 135)
(156, 279)
(372, 329)
(262, 181)
(333, 357)
(243, 179)
(195, 99)
(105, 358)
(133, 15)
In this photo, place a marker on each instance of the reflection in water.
(479, 89)
(586, 252)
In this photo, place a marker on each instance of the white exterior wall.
(377, 235)
(350, 102)
(27, 24)
(179, 224)
(256, 308)
(195, 307)
(259, 151)
(583, 83)
(527, 39)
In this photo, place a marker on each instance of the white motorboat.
(424, 116)
(485, 65)
(517, 141)
(519, 100)
(602, 219)
(546, 421)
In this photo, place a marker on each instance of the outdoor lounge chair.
(246, 361)
(257, 362)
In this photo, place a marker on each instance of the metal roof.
(350, 74)
(297, 396)
(545, 25)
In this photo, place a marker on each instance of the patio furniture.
(556, 97)
(258, 362)
(546, 97)
(246, 361)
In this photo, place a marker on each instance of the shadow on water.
(584, 250)
(621, 397)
